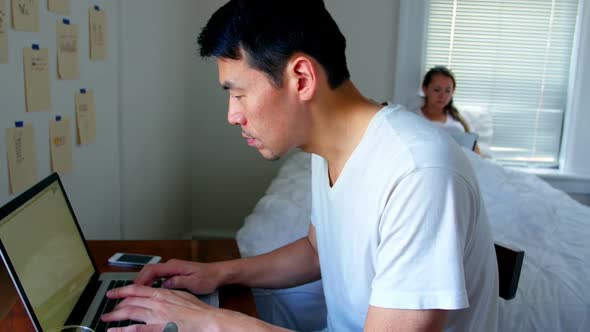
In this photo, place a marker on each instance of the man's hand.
(156, 307)
(199, 278)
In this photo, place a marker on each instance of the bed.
(525, 213)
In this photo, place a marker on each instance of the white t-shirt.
(450, 123)
(404, 227)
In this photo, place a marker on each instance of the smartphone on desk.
(133, 260)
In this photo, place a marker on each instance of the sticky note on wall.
(59, 6)
(85, 117)
(37, 87)
(25, 15)
(60, 139)
(68, 65)
(20, 153)
(3, 33)
(97, 22)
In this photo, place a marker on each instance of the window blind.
(513, 58)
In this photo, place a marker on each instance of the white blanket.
(525, 212)
(554, 231)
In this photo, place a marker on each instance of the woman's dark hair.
(449, 108)
(268, 32)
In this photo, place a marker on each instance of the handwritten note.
(85, 117)
(68, 67)
(20, 151)
(60, 138)
(98, 34)
(59, 6)
(3, 33)
(36, 66)
(25, 15)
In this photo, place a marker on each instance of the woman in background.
(438, 86)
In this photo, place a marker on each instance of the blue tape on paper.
(58, 118)
(18, 124)
(35, 47)
(82, 90)
(66, 21)
(96, 8)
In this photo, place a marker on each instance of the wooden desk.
(231, 297)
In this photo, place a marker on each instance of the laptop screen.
(44, 246)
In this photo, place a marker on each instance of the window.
(513, 58)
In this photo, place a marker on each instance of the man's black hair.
(269, 32)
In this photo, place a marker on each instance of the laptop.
(466, 140)
(47, 258)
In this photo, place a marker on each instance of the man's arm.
(290, 265)
(400, 320)
(294, 264)
(423, 240)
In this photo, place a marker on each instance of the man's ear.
(303, 77)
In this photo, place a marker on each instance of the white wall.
(93, 185)
(370, 28)
(228, 176)
(135, 181)
(155, 111)
(410, 50)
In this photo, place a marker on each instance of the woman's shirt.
(450, 123)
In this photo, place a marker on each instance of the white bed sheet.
(554, 231)
(525, 213)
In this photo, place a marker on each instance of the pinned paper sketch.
(3, 33)
(85, 117)
(59, 6)
(37, 88)
(25, 15)
(68, 66)
(60, 138)
(97, 22)
(20, 152)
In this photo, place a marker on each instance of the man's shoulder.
(418, 144)
(409, 127)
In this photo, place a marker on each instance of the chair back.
(509, 266)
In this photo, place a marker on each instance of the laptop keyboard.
(107, 305)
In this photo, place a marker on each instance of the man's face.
(265, 113)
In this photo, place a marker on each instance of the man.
(399, 233)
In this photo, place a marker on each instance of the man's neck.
(340, 118)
